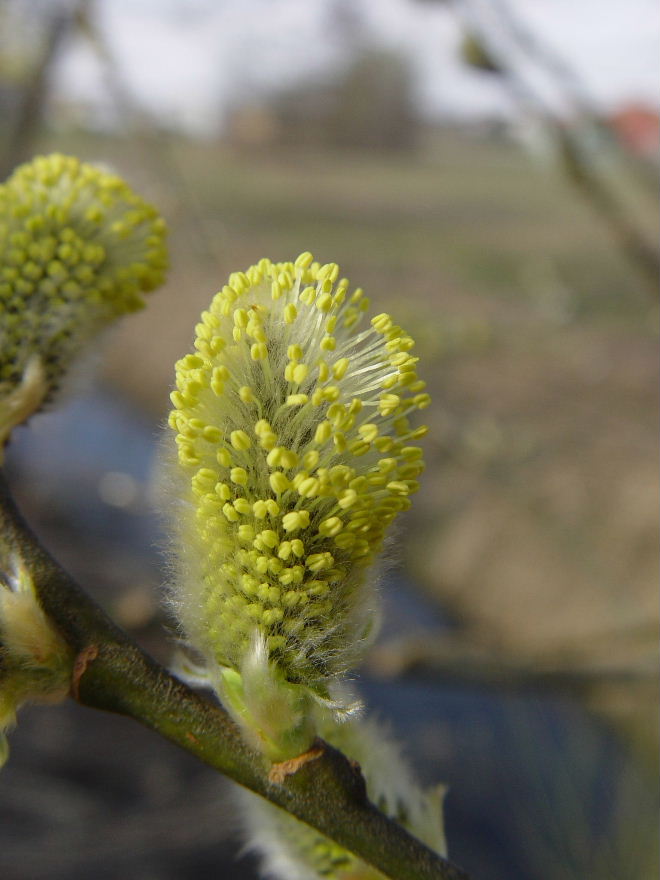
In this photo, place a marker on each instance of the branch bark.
(114, 674)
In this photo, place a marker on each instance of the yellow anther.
(223, 457)
(290, 313)
(246, 394)
(284, 550)
(384, 444)
(382, 323)
(239, 476)
(339, 441)
(294, 520)
(241, 318)
(398, 486)
(274, 457)
(328, 343)
(345, 540)
(388, 404)
(332, 393)
(347, 498)
(300, 372)
(304, 261)
(331, 527)
(211, 434)
(268, 441)
(329, 272)
(259, 351)
(255, 610)
(240, 440)
(293, 575)
(294, 352)
(309, 487)
(242, 505)
(249, 583)
(290, 598)
(245, 533)
(288, 458)
(421, 401)
(368, 432)
(259, 509)
(310, 459)
(340, 368)
(275, 565)
(278, 482)
(223, 491)
(261, 564)
(296, 399)
(230, 513)
(319, 561)
(269, 538)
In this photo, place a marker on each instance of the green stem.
(114, 674)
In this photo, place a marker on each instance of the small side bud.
(35, 662)
(276, 715)
(291, 850)
(78, 248)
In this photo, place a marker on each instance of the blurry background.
(487, 170)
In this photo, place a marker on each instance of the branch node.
(279, 771)
(82, 661)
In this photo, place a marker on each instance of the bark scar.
(279, 772)
(80, 664)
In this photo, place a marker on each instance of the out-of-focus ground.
(533, 534)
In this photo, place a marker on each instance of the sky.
(191, 61)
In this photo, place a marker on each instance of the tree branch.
(114, 674)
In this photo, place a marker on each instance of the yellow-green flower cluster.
(295, 452)
(77, 248)
(35, 662)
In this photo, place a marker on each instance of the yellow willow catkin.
(295, 452)
(78, 248)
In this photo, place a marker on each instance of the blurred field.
(535, 529)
